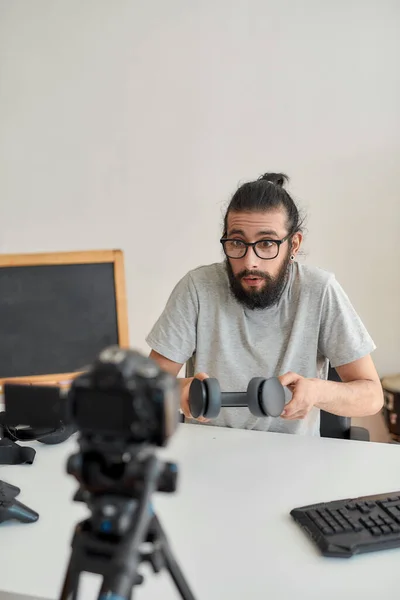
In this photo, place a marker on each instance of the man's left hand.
(305, 394)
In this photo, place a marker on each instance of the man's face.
(255, 282)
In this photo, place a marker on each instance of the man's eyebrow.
(259, 233)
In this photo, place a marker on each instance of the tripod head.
(118, 474)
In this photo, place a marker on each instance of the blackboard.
(58, 311)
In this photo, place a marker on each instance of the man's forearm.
(353, 399)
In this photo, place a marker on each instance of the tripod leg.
(71, 584)
(170, 561)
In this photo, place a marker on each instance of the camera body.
(127, 396)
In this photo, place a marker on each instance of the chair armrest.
(359, 433)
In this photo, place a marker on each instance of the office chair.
(333, 426)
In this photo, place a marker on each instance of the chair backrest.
(331, 425)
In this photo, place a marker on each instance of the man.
(261, 314)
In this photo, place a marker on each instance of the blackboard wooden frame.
(115, 257)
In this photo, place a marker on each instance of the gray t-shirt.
(204, 326)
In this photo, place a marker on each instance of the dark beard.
(259, 299)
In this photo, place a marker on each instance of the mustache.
(248, 273)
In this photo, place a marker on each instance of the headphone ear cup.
(272, 398)
(266, 397)
(197, 398)
(213, 394)
(58, 436)
(205, 398)
(253, 392)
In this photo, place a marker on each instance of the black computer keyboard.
(347, 527)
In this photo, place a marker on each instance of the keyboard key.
(354, 524)
(320, 523)
(312, 514)
(386, 529)
(376, 531)
(368, 523)
(363, 508)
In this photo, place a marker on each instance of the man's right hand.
(185, 386)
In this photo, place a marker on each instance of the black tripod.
(109, 542)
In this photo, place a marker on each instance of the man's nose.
(251, 260)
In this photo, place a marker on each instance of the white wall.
(145, 116)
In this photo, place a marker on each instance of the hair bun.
(276, 178)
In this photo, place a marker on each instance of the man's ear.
(297, 238)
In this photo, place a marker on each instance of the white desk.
(228, 524)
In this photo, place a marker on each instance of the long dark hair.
(264, 194)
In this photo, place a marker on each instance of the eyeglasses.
(264, 249)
